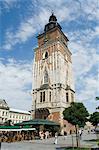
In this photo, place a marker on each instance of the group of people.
(10, 136)
(47, 134)
(44, 135)
(6, 136)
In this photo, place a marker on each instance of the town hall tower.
(52, 86)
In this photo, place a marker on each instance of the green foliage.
(8, 123)
(94, 118)
(75, 148)
(76, 114)
(97, 107)
(97, 98)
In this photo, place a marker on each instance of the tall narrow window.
(40, 96)
(50, 96)
(3, 113)
(67, 75)
(66, 97)
(46, 77)
(46, 55)
(72, 97)
(44, 96)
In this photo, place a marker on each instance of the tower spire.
(52, 18)
(52, 12)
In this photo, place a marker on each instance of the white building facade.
(53, 86)
(15, 115)
(4, 111)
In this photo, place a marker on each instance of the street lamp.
(35, 109)
(97, 134)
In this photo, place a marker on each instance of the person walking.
(80, 133)
(46, 135)
(56, 138)
(65, 135)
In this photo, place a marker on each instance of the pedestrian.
(42, 135)
(80, 133)
(65, 135)
(56, 138)
(88, 131)
(0, 144)
(46, 135)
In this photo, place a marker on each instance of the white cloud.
(81, 43)
(96, 32)
(85, 66)
(91, 9)
(15, 83)
(90, 89)
(26, 29)
(35, 23)
(8, 3)
(89, 92)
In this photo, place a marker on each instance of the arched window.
(45, 76)
(46, 55)
(67, 100)
(50, 96)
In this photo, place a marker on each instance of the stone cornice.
(6, 108)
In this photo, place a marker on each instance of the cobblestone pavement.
(49, 143)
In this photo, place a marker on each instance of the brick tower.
(53, 87)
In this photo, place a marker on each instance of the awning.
(38, 122)
(15, 128)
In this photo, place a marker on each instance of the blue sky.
(20, 23)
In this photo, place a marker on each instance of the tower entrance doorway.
(41, 113)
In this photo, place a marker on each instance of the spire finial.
(52, 17)
(52, 12)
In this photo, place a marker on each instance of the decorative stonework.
(53, 86)
(3, 104)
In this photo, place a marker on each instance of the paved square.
(49, 143)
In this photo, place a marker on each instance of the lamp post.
(97, 98)
(97, 134)
(0, 145)
(97, 128)
(35, 109)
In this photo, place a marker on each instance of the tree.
(8, 123)
(77, 115)
(97, 107)
(94, 118)
(97, 98)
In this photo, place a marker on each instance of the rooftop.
(3, 104)
(19, 111)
